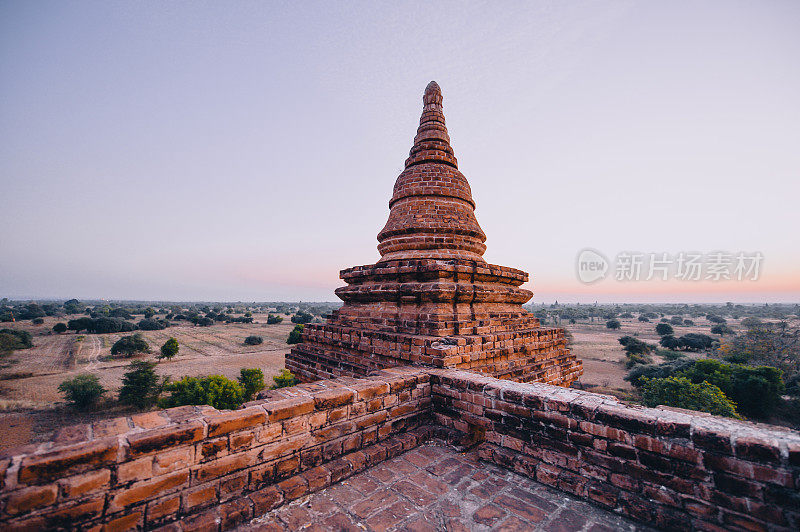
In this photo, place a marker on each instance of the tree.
(149, 313)
(152, 325)
(127, 346)
(15, 339)
(253, 340)
(169, 349)
(302, 317)
(252, 382)
(60, 327)
(721, 330)
(83, 391)
(716, 319)
(215, 390)
(296, 336)
(613, 324)
(682, 393)
(274, 318)
(284, 379)
(37, 321)
(676, 320)
(664, 329)
(141, 385)
(644, 319)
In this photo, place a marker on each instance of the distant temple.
(432, 299)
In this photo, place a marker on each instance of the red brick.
(68, 460)
(163, 438)
(145, 490)
(226, 422)
(126, 522)
(199, 497)
(163, 507)
(333, 398)
(80, 485)
(28, 499)
(293, 488)
(266, 499)
(287, 408)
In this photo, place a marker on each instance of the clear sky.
(247, 150)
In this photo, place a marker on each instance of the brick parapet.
(196, 467)
(156, 468)
(676, 469)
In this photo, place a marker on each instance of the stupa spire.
(431, 213)
(432, 143)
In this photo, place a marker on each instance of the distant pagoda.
(432, 299)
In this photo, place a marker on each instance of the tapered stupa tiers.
(432, 213)
(432, 299)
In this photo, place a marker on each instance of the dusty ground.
(602, 355)
(31, 407)
(29, 378)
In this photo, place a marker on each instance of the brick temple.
(432, 299)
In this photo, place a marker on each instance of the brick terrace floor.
(435, 488)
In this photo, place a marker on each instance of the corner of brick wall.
(197, 464)
(671, 468)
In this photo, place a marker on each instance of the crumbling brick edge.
(193, 468)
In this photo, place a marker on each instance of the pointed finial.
(433, 94)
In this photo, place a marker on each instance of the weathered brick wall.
(207, 467)
(671, 468)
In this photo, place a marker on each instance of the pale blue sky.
(247, 150)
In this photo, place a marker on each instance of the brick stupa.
(432, 299)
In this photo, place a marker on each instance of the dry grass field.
(29, 378)
(604, 358)
(31, 407)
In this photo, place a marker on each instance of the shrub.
(302, 317)
(218, 391)
(669, 354)
(60, 327)
(676, 320)
(683, 393)
(296, 336)
(203, 322)
(169, 349)
(11, 339)
(756, 389)
(656, 371)
(140, 385)
(664, 329)
(696, 342)
(127, 346)
(152, 325)
(634, 345)
(637, 358)
(253, 340)
(689, 323)
(274, 318)
(37, 321)
(721, 330)
(284, 379)
(644, 319)
(716, 319)
(252, 382)
(613, 324)
(83, 391)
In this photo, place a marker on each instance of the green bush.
(152, 325)
(253, 340)
(37, 321)
(83, 391)
(669, 354)
(302, 317)
(756, 389)
(637, 358)
(664, 329)
(169, 349)
(721, 330)
(60, 327)
(284, 379)
(656, 371)
(296, 336)
(683, 393)
(140, 385)
(127, 346)
(14, 339)
(252, 381)
(215, 390)
(613, 324)
(274, 318)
